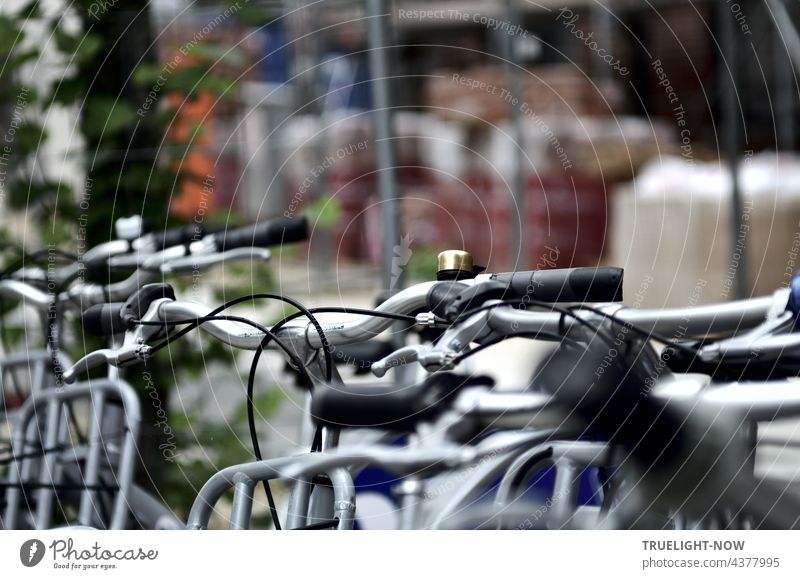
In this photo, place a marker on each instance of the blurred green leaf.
(29, 137)
(147, 74)
(324, 212)
(69, 91)
(106, 116)
(20, 57)
(90, 46)
(254, 15)
(30, 10)
(191, 80)
(218, 53)
(65, 42)
(11, 35)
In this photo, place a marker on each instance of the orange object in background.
(196, 196)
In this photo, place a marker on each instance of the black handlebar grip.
(273, 232)
(580, 284)
(137, 304)
(184, 234)
(103, 320)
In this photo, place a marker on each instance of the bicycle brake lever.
(196, 262)
(440, 356)
(119, 358)
(755, 342)
(397, 358)
(430, 358)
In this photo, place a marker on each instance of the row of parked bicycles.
(635, 418)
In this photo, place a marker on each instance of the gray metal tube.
(45, 494)
(344, 496)
(731, 118)
(377, 32)
(242, 506)
(217, 485)
(245, 337)
(299, 502)
(690, 322)
(26, 429)
(92, 474)
(518, 213)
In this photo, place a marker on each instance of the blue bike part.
(794, 299)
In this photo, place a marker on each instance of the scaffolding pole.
(377, 33)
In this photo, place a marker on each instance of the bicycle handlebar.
(24, 292)
(274, 232)
(180, 235)
(698, 321)
(701, 320)
(580, 284)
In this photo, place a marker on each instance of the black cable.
(271, 335)
(20, 262)
(567, 312)
(295, 303)
(483, 308)
(268, 335)
(251, 425)
(196, 322)
(329, 524)
(316, 443)
(597, 330)
(7, 460)
(58, 487)
(360, 311)
(636, 330)
(541, 305)
(532, 335)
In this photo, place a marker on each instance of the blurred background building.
(596, 130)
